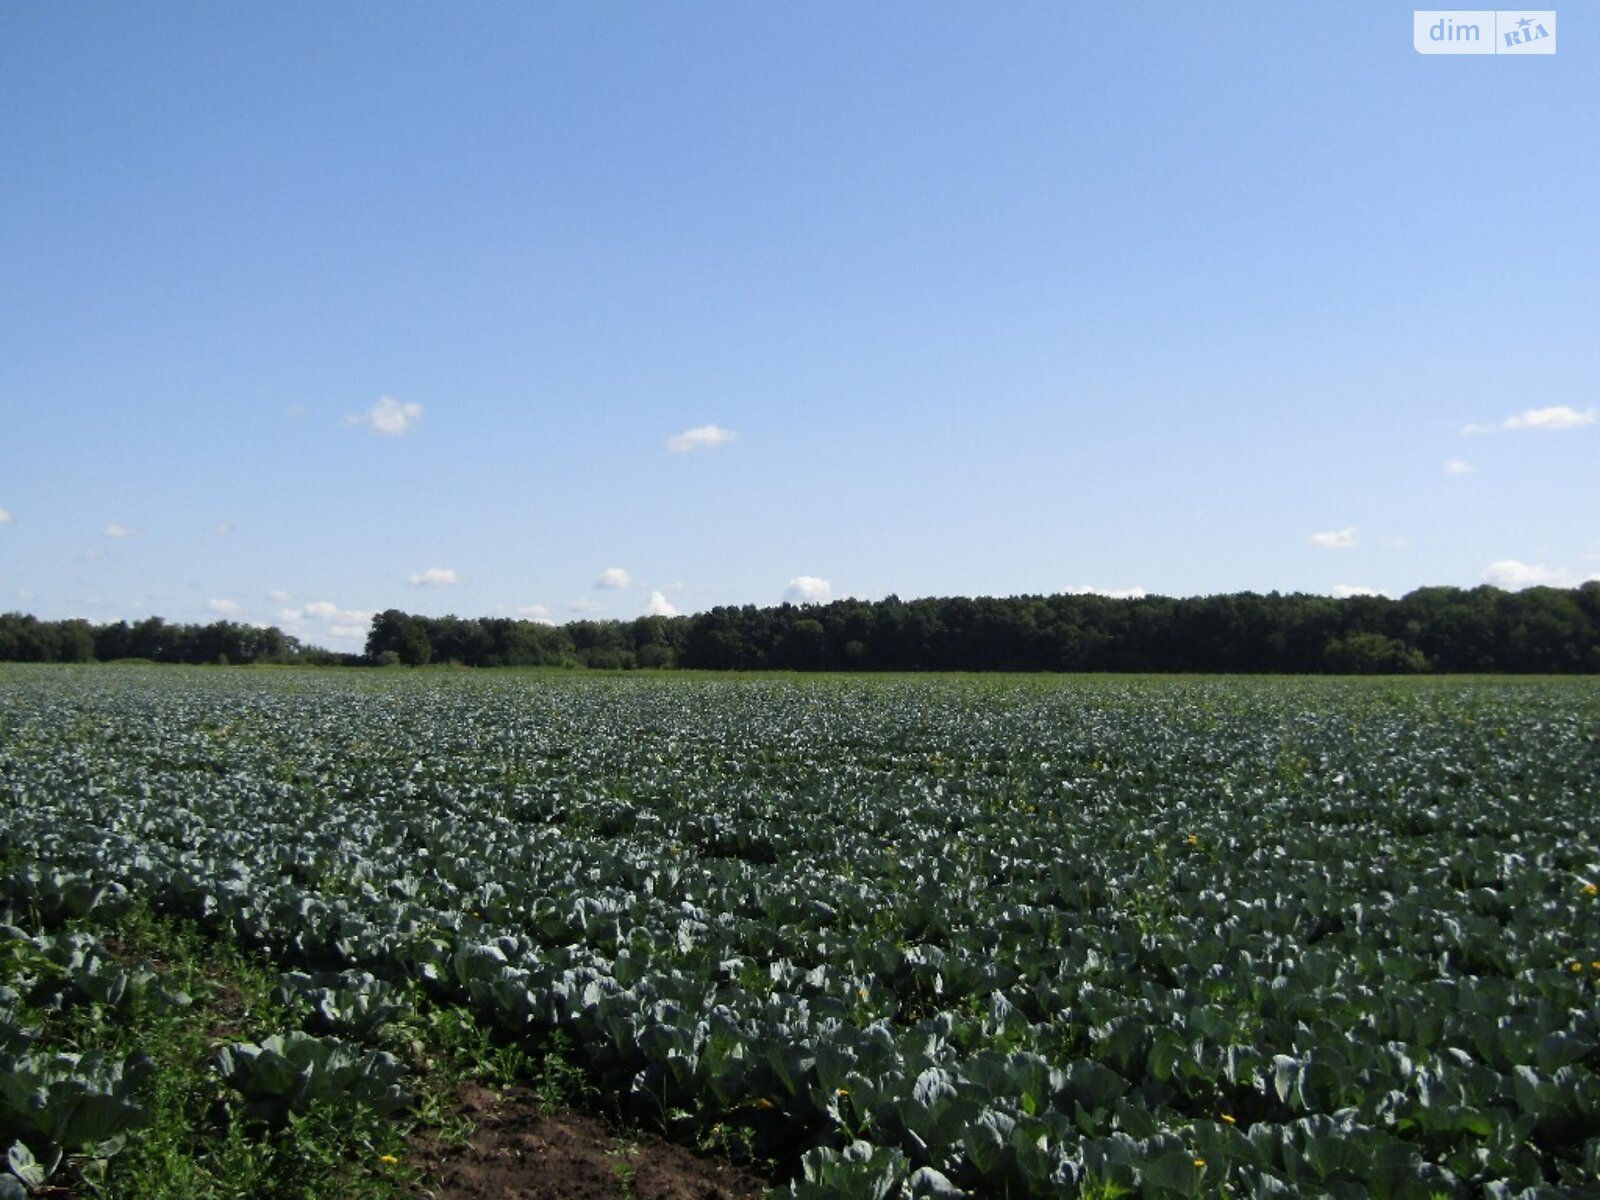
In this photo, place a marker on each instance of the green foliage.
(904, 937)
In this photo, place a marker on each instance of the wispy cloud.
(659, 606)
(1087, 589)
(1335, 539)
(537, 612)
(117, 531)
(1346, 590)
(388, 416)
(807, 589)
(278, 595)
(435, 577)
(1552, 419)
(1512, 575)
(706, 437)
(325, 621)
(1545, 420)
(1456, 466)
(5, 517)
(614, 579)
(224, 606)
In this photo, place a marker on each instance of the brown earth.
(520, 1152)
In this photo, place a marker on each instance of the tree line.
(1540, 630)
(1484, 629)
(27, 639)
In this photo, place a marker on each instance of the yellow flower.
(1194, 839)
(1577, 966)
(1199, 1162)
(1595, 965)
(764, 1103)
(844, 1091)
(387, 1160)
(1590, 889)
(1230, 1119)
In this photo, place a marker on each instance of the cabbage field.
(892, 936)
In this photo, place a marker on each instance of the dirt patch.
(520, 1152)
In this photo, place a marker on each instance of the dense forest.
(1540, 630)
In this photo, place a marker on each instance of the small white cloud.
(1335, 539)
(222, 528)
(5, 517)
(224, 606)
(1559, 417)
(117, 531)
(292, 615)
(614, 579)
(706, 437)
(388, 416)
(1512, 575)
(329, 611)
(435, 577)
(536, 612)
(278, 596)
(659, 606)
(1085, 589)
(1345, 590)
(1456, 466)
(807, 589)
(585, 606)
(1546, 420)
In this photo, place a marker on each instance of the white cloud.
(1512, 575)
(706, 437)
(224, 606)
(388, 417)
(1084, 589)
(117, 531)
(586, 606)
(536, 612)
(222, 528)
(278, 595)
(1456, 466)
(5, 517)
(1345, 590)
(613, 579)
(807, 589)
(435, 577)
(1335, 539)
(659, 606)
(1560, 416)
(1547, 420)
(326, 610)
(323, 621)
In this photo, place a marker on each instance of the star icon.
(1525, 22)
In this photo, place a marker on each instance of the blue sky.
(314, 310)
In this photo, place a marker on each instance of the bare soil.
(520, 1152)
